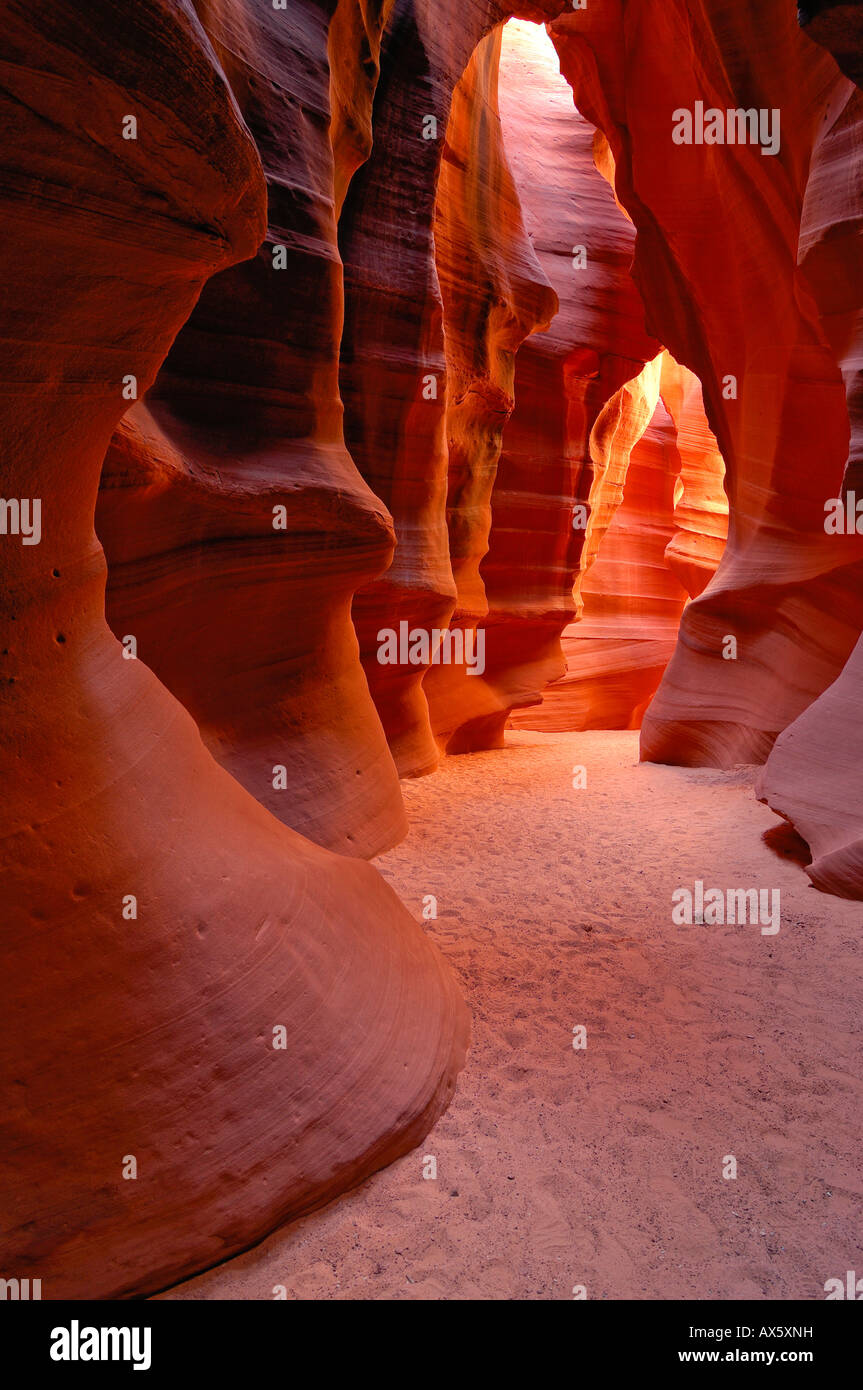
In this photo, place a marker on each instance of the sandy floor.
(603, 1167)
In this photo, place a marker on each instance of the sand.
(603, 1167)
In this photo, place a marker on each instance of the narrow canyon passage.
(431, 649)
(603, 1167)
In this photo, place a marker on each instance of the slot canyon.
(431, 668)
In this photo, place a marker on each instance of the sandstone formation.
(326, 319)
(813, 775)
(656, 532)
(701, 506)
(567, 413)
(235, 524)
(710, 219)
(160, 927)
(393, 369)
(494, 294)
(838, 25)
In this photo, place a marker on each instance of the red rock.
(650, 534)
(701, 509)
(710, 219)
(250, 626)
(145, 1028)
(838, 26)
(494, 294)
(393, 341)
(813, 775)
(564, 379)
(623, 636)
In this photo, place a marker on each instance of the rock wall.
(242, 1023)
(190, 989)
(566, 382)
(655, 535)
(701, 505)
(235, 523)
(838, 26)
(813, 775)
(393, 366)
(710, 218)
(495, 293)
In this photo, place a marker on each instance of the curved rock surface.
(565, 378)
(813, 776)
(701, 506)
(495, 294)
(655, 536)
(161, 920)
(838, 26)
(393, 367)
(235, 524)
(628, 602)
(710, 217)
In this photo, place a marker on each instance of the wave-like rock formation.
(615, 644)
(474, 420)
(494, 294)
(209, 1024)
(814, 775)
(655, 536)
(566, 379)
(701, 506)
(710, 218)
(235, 524)
(393, 365)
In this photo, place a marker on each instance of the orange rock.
(393, 369)
(813, 775)
(160, 927)
(701, 507)
(564, 378)
(235, 524)
(637, 557)
(711, 219)
(628, 602)
(494, 294)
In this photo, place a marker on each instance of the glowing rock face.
(710, 219)
(209, 1024)
(393, 372)
(655, 533)
(565, 376)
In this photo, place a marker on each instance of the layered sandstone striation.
(473, 423)
(566, 383)
(191, 990)
(700, 505)
(393, 362)
(655, 535)
(813, 775)
(235, 524)
(710, 218)
(495, 293)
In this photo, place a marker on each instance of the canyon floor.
(603, 1167)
